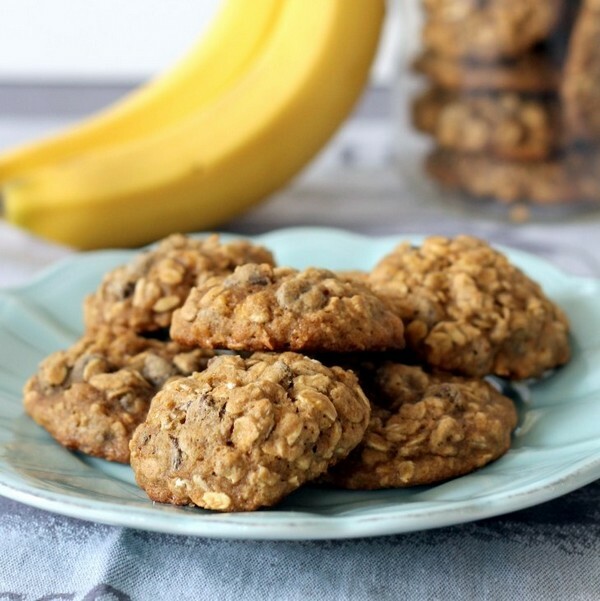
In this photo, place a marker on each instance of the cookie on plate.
(581, 83)
(143, 294)
(425, 429)
(569, 177)
(259, 307)
(468, 310)
(488, 30)
(246, 432)
(503, 125)
(91, 397)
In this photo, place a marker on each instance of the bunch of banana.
(263, 91)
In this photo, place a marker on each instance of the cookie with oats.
(425, 429)
(246, 432)
(262, 308)
(572, 176)
(143, 294)
(581, 81)
(92, 396)
(489, 29)
(468, 310)
(504, 125)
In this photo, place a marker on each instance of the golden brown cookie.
(504, 125)
(468, 310)
(581, 83)
(246, 432)
(488, 29)
(143, 294)
(426, 429)
(91, 397)
(259, 307)
(354, 275)
(570, 177)
(533, 73)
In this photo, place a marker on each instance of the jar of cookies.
(499, 101)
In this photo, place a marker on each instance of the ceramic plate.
(556, 446)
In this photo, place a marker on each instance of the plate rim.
(227, 526)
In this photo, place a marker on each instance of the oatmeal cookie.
(506, 125)
(488, 29)
(354, 275)
(259, 307)
(468, 310)
(143, 294)
(426, 429)
(532, 73)
(581, 83)
(92, 396)
(569, 177)
(246, 432)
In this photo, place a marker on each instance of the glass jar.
(498, 102)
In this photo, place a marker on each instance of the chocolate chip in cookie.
(425, 429)
(572, 176)
(244, 433)
(503, 125)
(92, 396)
(488, 30)
(142, 295)
(259, 307)
(468, 310)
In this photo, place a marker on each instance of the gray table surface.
(551, 551)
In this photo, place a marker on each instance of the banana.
(225, 157)
(223, 53)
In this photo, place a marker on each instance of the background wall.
(91, 41)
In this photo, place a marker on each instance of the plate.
(556, 447)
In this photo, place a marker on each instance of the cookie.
(246, 432)
(533, 73)
(490, 29)
(354, 275)
(426, 429)
(506, 125)
(91, 397)
(581, 83)
(142, 295)
(468, 310)
(259, 307)
(568, 178)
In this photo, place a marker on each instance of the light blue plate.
(556, 447)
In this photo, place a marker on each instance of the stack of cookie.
(506, 104)
(228, 382)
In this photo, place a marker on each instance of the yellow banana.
(230, 154)
(223, 53)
